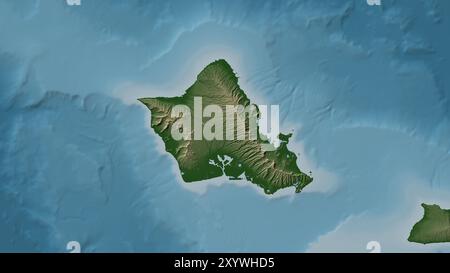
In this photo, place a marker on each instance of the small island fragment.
(434, 227)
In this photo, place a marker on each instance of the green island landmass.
(200, 160)
(434, 227)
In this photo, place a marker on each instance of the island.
(206, 158)
(434, 227)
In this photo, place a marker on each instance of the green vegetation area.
(434, 227)
(203, 159)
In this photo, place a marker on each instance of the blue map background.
(364, 89)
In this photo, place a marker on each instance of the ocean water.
(363, 88)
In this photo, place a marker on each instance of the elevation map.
(215, 126)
